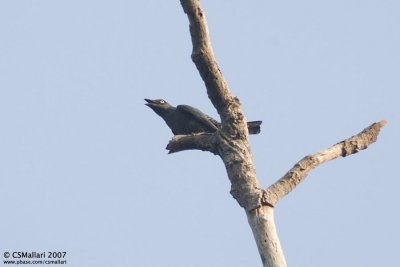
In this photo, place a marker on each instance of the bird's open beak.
(149, 102)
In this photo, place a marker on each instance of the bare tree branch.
(203, 55)
(301, 169)
(228, 107)
(231, 144)
(204, 142)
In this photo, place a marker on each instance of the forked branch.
(231, 144)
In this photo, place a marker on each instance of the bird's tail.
(254, 127)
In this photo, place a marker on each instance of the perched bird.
(185, 119)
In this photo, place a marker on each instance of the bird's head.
(160, 106)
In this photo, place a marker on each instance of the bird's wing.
(199, 116)
(215, 122)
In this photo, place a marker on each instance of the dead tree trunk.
(231, 144)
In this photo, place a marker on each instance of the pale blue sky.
(83, 165)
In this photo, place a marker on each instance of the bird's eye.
(162, 101)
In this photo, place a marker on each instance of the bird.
(185, 119)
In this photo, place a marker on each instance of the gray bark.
(231, 144)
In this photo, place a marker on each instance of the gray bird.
(185, 119)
